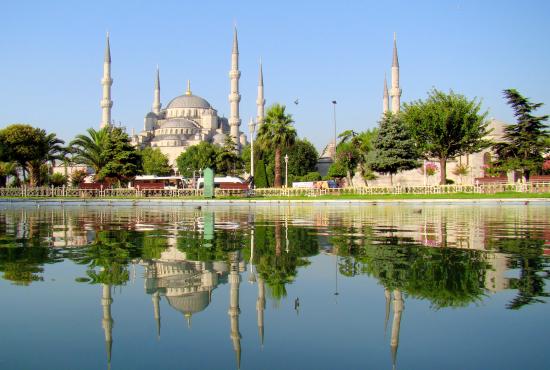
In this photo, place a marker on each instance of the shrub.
(58, 180)
(77, 177)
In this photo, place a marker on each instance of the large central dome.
(188, 101)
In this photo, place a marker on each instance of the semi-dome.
(178, 123)
(188, 101)
(219, 138)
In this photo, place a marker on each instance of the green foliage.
(108, 152)
(446, 126)
(337, 170)
(302, 158)
(58, 180)
(228, 161)
(352, 153)
(260, 176)
(31, 148)
(90, 149)
(77, 177)
(278, 134)
(394, 148)
(197, 157)
(123, 160)
(7, 169)
(155, 162)
(525, 142)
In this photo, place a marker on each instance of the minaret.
(156, 99)
(107, 321)
(260, 102)
(107, 82)
(260, 307)
(387, 294)
(156, 311)
(396, 324)
(386, 99)
(234, 310)
(395, 90)
(234, 96)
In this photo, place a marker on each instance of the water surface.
(456, 286)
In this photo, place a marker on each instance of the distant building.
(187, 119)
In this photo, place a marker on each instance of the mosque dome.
(151, 115)
(188, 101)
(190, 303)
(178, 123)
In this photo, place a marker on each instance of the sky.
(52, 52)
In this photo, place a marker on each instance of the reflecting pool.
(416, 286)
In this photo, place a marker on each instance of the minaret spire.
(395, 90)
(156, 99)
(106, 103)
(234, 96)
(386, 100)
(156, 311)
(188, 92)
(234, 310)
(260, 102)
(107, 321)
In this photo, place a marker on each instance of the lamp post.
(286, 170)
(334, 121)
(252, 128)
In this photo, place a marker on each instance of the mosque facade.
(187, 119)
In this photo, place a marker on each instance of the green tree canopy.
(89, 150)
(227, 160)
(525, 142)
(394, 148)
(277, 134)
(155, 162)
(446, 126)
(31, 148)
(123, 160)
(302, 158)
(197, 157)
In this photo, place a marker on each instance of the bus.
(218, 181)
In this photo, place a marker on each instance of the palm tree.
(277, 132)
(89, 149)
(7, 169)
(49, 149)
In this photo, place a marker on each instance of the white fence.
(69, 192)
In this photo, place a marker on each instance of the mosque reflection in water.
(186, 254)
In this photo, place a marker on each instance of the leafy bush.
(58, 180)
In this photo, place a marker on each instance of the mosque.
(187, 119)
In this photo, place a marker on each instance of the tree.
(57, 179)
(352, 153)
(394, 148)
(526, 141)
(90, 150)
(277, 133)
(197, 157)
(227, 160)
(7, 169)
(155, 162)
(446, 126)
(122, 159)
(31, 148)
(302, 158)
(260, 177)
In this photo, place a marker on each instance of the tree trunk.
(443, 170)
(391, 179)
(350, 182)
(34, 175)
(277, 168)
(277, 238)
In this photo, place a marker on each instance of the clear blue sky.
(318, 51)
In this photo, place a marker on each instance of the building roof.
(178, 123)
(188, 101)
(190, 303)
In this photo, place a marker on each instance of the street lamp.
(334, 120)
(252, 128)
(286, 170)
